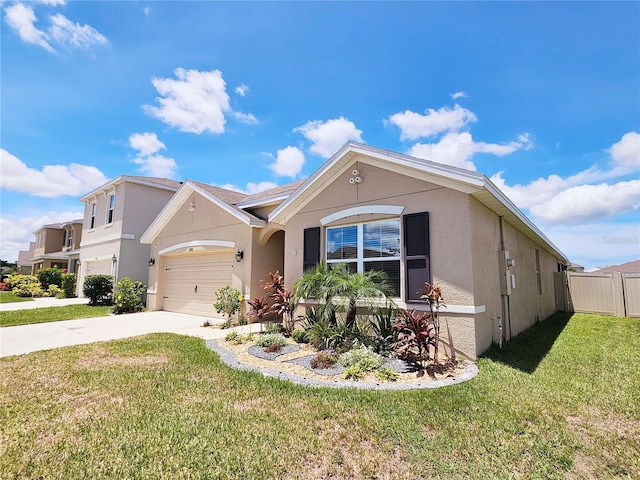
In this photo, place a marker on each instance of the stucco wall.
(264, 259)
(206, 222)
(527, 306)
(486, 273)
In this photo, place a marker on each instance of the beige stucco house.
(25, 260)
(115, 216)
(57, 246)
(414, 219)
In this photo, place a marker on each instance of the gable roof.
(155, 182)
(221, 197)
(471, 183)
(629, 267)
(25, 256)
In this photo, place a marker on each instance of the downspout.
(506, 299)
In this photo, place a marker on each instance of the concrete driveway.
(44, 336)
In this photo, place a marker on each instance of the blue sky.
(543, 98)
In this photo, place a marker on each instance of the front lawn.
(561, 401)
(51, 314)
(10, 297)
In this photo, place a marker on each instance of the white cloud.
(66, 32)
(52, 181)
(53, 2)
(626, 153)
(194, 102)
(17, 231)
(245, 117)
(414, 125)
(146, 10)
(457, 95)
(251, 187)
(327, 137)
(21, 18)
(146, 143)
(457, 149)
(289, 162)
(156, 166)
(242, 89)
(585, 203)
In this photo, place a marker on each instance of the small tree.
(69, 281)
(127, 297)
(50, 276)
(228, 301)
(99, 289)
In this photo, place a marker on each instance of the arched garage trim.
(197, 246)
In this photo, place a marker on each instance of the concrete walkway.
(42, 303)
(45, 336)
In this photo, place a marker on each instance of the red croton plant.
(419, 332)
(277, 301)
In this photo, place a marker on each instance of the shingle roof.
(629, 267)
(25, 256)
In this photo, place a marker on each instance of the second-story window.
(93, 216)
(64, 238)
(70, 239)
(110, 208)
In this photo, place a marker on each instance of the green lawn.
(561, 401)
(10, 297)
(51, 314)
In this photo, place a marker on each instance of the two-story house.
(57, 246)
(25, 260)
(115, 216)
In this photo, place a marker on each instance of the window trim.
(360, 260)
(92, 217)
(110, 208)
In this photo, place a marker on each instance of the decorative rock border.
(229, 359)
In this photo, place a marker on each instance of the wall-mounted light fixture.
(114, 259)
(152, 262)
(192, 206)
(239, 255)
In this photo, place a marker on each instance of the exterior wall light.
(152, 262)
(239, 255)
(114, 259)
(192, 206)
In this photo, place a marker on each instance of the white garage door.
(190, 282)
(99, 267)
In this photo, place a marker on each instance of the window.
(70, 239)
(112, 204)
(92, 223)
(538, 277)
(64, 238)
(367, 246)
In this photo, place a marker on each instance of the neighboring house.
(574, 267)
(629, 267)
(25, 260)
(57, 245)
(416, 220)
(115, 216)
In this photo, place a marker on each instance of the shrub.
(300, 336)
(271, 327)
(128, 296)
(26, 286)
(384, 335)
(228, 300)
(276, 347)
(69, 281)
(325, 359)
(98, 289)
(270, 339)
(237, 339)
(4, 287)
(226, 324)
(50, 276)
(364, 357)
(387, 374)
(55, 291)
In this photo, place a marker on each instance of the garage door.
(190, 282)
(99, 267)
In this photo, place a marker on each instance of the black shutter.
(311, 254)
(416, 249)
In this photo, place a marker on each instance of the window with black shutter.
(416, 244)
(311, 248)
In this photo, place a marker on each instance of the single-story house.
(417, 220)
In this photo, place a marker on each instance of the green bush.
(26, 286)
(271, 327)
(387, 374)
(69, 281)
(55, 291)
(128, 295)
(228, 300)
(300, 336)
(50, 276)
(98, 289)
(366, 358)
(270, 339)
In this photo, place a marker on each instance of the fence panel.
(631, 283)
(607, 294)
